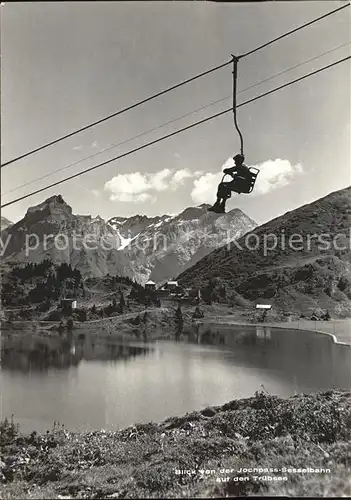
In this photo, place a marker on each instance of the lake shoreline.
(338, 330)
(164, 460)
(121, 326)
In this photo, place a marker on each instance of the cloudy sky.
(66, 64)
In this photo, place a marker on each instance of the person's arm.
(230, 171)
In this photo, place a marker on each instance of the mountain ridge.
(142, 247)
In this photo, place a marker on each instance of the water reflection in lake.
(85, 382)
(313, 360)
(30, 353)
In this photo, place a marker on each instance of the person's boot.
(220, 209)
(214, 208)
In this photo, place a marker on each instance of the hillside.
(299, 260)
(300, 443)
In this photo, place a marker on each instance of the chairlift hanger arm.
(235, 78)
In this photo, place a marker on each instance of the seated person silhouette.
(225, 189)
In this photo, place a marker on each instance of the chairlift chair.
(244, 184)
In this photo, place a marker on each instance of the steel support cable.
(108, 148)
(113, 115)
(260, 47)
(237, 58)
(128, 108)
(176, 132)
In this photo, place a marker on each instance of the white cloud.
(205, 185)
(137, 187)
(205, 188)
(180, 177)
(94, 144)
(77, 148)
(159, 181)
(273, 174)
(95, 192)
(132, 197)
(133, 183)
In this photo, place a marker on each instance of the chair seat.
(243, 183)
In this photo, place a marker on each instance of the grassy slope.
(140, 461)
(289, 278)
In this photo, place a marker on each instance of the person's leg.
(224, 190)
(223, 193)
(218, 201)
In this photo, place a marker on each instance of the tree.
(114, 283)
(136, 320)
(82, 314)
(198, 314)
(179, 314)
(60, 328)
(122, 303)
(108, 310)
(179, 318)
(70, 324)
(206, 294)
(10, 317)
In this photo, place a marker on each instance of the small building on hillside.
(267, 307)
(67, 305)
(171, 286)
(263, 309)
(150, 285)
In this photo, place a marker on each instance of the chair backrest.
(245, 184)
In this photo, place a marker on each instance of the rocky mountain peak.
(191, 213)
(53, 205)
(5, 223)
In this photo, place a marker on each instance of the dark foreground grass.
(143, 461)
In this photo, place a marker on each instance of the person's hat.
(239, 157)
